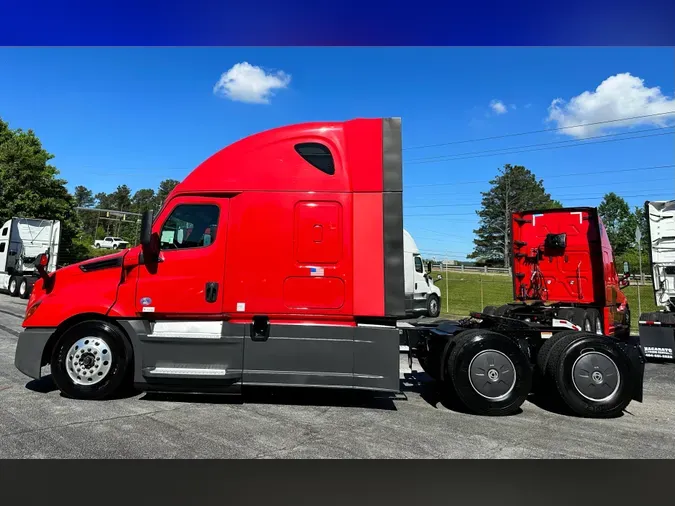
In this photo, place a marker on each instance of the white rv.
(422, 296)
(657, 329)
(21, 241)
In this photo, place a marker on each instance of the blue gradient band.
(344, 22)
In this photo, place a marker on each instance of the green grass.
(463, 294)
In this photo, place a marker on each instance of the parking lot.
(36, 422)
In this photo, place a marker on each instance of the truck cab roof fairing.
(269, 160)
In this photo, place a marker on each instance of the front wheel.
(97, 246)
(490, 373)
(433, 306)
(91, 360)
(13, 286)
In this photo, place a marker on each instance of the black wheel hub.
(595, 376)
(87, 360)
(492, 374)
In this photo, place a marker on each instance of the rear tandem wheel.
(489, 373)
(589, 374)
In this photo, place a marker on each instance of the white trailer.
(657, 329)
(21, 241)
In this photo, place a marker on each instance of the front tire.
(91, 360)
(490, 373)
(591, 375)
(433, 306)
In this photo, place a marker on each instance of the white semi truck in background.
(21, 241)
(422, 296)
(657, 329)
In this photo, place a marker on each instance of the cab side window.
(190, 226)
(418, 265)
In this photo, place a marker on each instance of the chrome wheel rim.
(433, 305)
(22, 288)
(12, 285)
(89, 361)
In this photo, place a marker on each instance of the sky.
(136, 116)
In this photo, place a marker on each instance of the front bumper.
(30, 350)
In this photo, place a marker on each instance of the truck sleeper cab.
(280, 260)
(277, 261)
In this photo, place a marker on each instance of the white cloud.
(527, 106)
(618, 96)
(250, 84)
(498, 107)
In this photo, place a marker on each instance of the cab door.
(421, 285)
(187, 280)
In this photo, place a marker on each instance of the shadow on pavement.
(43, 385)
(284, 396)
(428, 389)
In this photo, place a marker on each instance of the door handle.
(415, 286)
(260, 328)
(211, 292)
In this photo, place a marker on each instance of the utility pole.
(638, 239)
(507, 216)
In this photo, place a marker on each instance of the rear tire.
(489, 372)
(433, 306)
(577, 316)
(590, 375)
(91, 360)
(596, 322)
(24, 288)
(541, 383)
(13, 287)
(502, 310)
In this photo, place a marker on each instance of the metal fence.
(468, 291)
(506, 271)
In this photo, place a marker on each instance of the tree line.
(31, 187)
(516, 188)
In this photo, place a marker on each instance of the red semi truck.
(280, 261)
(563, 263)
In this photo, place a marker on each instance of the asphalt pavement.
(37, 422)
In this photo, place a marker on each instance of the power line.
(139, 171)
(568, 199)
(546, 146)
(540, 131)
(466, 204)
(549, 188)
(585, 173)
(550, 143)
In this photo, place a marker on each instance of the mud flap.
(658, 341)
(637, 361)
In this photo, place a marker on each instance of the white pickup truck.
(111, 243)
